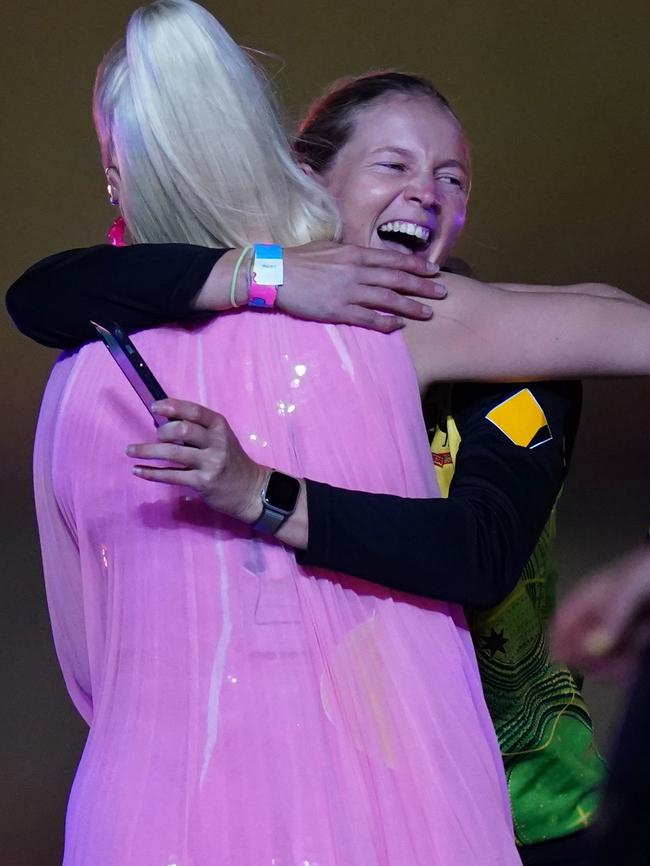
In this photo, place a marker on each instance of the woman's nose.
(424, 192)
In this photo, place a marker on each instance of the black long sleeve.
(140, 286)
(471, 547)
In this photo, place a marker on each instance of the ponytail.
(189, 122)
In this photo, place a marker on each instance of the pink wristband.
(266, 275)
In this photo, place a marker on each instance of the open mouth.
(415, 238)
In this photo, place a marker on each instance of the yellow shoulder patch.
(521, 419)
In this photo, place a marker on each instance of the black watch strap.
(279, 498)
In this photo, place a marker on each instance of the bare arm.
(483, 333)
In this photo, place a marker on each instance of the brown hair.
(329, 121)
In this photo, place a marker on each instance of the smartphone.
(128, 359)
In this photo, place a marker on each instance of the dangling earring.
(116, 233)
(111, 195)
(118, 228)
(109, 188)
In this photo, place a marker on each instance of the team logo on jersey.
(442, 458)
(522, 420)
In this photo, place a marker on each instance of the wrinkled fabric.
(245, 711)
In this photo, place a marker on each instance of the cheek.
(358, 203)
(455, 213)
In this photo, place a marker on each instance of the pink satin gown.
(245, 711)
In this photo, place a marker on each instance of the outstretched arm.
(484, 333)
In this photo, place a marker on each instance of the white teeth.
(407, 228)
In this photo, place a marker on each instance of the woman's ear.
(113, 184)
(309, 171)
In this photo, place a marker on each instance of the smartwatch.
(266, 275)
(279, 497)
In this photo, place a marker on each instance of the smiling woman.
(402, 179)
(394, 155)
(391, 150)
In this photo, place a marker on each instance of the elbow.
(11, 301)
(494, 570)
(14, 303)
(25, 303)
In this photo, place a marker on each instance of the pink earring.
(116, 233)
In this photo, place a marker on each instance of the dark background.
(554, 96)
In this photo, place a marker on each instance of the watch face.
(282, 491)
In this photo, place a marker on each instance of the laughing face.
(402, 179)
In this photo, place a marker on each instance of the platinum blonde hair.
(190, 124)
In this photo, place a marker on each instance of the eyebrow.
(403, 151)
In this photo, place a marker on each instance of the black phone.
(130, 362)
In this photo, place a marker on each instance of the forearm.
(144, 286)
(471, 547)
(483, 333)
(434, 548)
(214, 294)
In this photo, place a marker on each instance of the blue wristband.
(267, 274)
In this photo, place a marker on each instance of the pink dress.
(245, 711)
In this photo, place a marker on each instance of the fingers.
(393, 302)
(186, 410)
(402, 282)
(171, 452)
(398, 261)
(372, 320)
(184, 432)
(178, 477)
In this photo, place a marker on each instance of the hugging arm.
(480, 331)
(469, 549)
(147, 285)
(484, 333)
(140, 287)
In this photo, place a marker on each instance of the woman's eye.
(452, 180)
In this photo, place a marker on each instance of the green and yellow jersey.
(553, 768)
